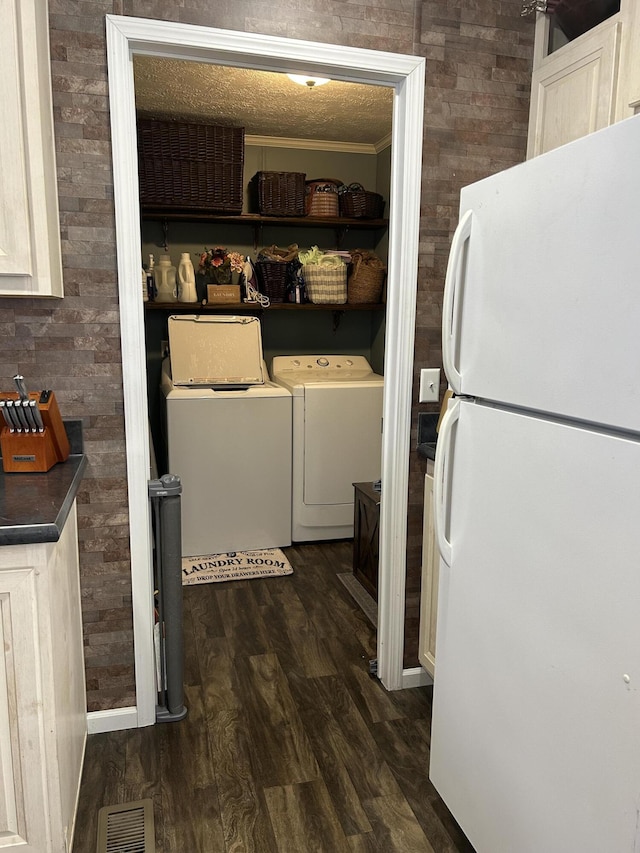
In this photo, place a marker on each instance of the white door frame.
(128, 36)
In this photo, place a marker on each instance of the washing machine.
(337, 438)
(228, 433)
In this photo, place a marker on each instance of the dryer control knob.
(323, 362)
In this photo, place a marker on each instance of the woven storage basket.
(272, 279)
(322, 197)
(358, 203)
(325, 285)
(278, 193)
(366, 277)
(365, 285)
(191, 166)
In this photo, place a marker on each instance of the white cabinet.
(30, 254)
(42, 693)
(429, 587)
(587, 84)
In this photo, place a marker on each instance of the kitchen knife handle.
(22, 415)
(5, 415)
(37, 417)
(13, 417)
(22, 388)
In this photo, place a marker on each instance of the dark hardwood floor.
(289, 746)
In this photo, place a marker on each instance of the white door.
(541, 302)
(535, 741)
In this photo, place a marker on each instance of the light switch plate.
(429, 385)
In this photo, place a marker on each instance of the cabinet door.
(30, 254)
(629, 76)
(42, 694)
(429, 589)
(573, 91)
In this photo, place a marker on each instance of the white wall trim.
(415, 677)
(112, 721)
(126, 36)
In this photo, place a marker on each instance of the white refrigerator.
(536, 714)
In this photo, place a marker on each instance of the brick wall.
(478, 59)
(479, 56)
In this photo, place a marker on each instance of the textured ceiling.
(263, 102)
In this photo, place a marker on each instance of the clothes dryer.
(337, 438)
(228, 431)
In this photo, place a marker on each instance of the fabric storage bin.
(278, 193)
(358, 203)
(193, 166)
(324, 284)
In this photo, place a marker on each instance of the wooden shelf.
(257, 220)
(238, 307)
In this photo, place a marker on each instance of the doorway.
(129, 36)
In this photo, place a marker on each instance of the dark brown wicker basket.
(193, 166)
(278, 193)
(272, 279)
(357, 203)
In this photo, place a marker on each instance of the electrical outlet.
(429, 385)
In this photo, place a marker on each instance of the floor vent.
(126, 828)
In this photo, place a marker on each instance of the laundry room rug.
(236, 565)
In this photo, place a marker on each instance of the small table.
(366, 521)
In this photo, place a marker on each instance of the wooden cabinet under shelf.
(366, 522)
(43, 723)
(429, 588)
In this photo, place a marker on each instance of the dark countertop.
(427, 450)
(427, 435)
(34, 507)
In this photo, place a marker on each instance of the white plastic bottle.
(186, 279)
(165, 279)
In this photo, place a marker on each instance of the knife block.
(36, 451)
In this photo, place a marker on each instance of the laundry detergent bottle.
(186, 279)
(165, 278)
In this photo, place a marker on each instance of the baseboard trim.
(415, 677)
(113, 720)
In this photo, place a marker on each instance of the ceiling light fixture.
(310, 82)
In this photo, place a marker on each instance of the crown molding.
(383, 143)
(311, 144)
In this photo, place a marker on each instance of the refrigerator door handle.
(453, 290)
(442, 479)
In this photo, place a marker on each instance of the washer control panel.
(319, 363)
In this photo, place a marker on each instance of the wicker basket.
(358, 203)
(325, 285)
(192, 166)
(322, 197)
(365, 285)
(272, 279)
(278, 193)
